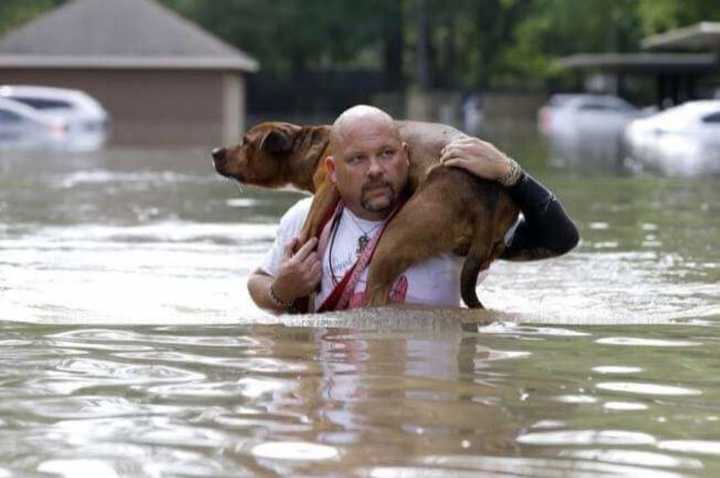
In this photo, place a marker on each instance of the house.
(163, 79)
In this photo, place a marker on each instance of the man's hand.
(299, 273)
(477, 157)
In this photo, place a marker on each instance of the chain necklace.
(364, 239)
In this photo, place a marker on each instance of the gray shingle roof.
(118, 34)
(703, 35)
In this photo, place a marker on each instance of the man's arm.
(259, 284)
(545, 229)
(298, 276)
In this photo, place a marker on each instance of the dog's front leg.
(324, 201)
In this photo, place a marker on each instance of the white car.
(86, 121)
(585, 128)
(681, 140)
(25, 128)
(575, 114)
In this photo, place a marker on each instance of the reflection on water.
(440, 396)
(130, 346)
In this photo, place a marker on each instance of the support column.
(233, 107)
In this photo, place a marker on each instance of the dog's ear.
(280, 139)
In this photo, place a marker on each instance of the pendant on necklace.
(362, 243)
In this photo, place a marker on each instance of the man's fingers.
(310, 259)
(290, 247)
(455, 162)
(316, 272)
(308, 247)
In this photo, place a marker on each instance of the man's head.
(369, 162)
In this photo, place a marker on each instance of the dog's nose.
(218, 154)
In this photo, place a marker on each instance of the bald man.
(369, 165)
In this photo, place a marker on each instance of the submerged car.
(23, 127)
(680, 140)
(86, 121)
(583, 128)
(572, 113)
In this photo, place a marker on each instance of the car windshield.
(43, 103)
(713, 118)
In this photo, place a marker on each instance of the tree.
(657, 16)
(16, 12)
(556, 28)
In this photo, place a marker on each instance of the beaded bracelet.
(277, 301)
(512, 176)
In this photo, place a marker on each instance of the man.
(370, 169)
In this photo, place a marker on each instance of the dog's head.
(261, 157)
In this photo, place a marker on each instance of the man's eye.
(355, 159)
(388, 153)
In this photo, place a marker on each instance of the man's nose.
(374, 167)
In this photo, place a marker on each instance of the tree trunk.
(393, 46)
(424, 47)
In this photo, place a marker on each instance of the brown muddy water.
(130, 347)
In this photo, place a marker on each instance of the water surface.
(131, 348)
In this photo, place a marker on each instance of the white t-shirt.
(435, 281)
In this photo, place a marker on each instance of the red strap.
(301, 305)
(339, 298)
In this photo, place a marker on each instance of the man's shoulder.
(295, 216)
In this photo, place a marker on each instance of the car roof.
(78, 97)
(564, 99)
(22, 109)
(689, 111)
(42, 91)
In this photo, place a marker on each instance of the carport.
(676, 74)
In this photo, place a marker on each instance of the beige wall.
(153, 107)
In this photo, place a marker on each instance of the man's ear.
(406, 151)
(330, 166)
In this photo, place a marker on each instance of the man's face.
(370, 167)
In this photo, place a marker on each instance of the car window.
(712, 118)
(9, 117)
(43, 103)
(593, 107)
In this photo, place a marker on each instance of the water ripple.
(652, 389)
(587, 437)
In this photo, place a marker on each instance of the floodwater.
(130, 347)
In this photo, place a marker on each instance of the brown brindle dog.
(448, 210)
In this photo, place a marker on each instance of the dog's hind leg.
(478, 259)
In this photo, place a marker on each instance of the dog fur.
(448, 210)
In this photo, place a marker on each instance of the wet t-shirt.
(435, 281)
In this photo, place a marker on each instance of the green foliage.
(661, 15)
(17, 12)
(295, 35)
(556, 28)
(467, 44)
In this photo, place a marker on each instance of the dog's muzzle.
(219, 156)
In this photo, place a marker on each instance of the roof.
(117, 34)
(643, 62)
(704, 35)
